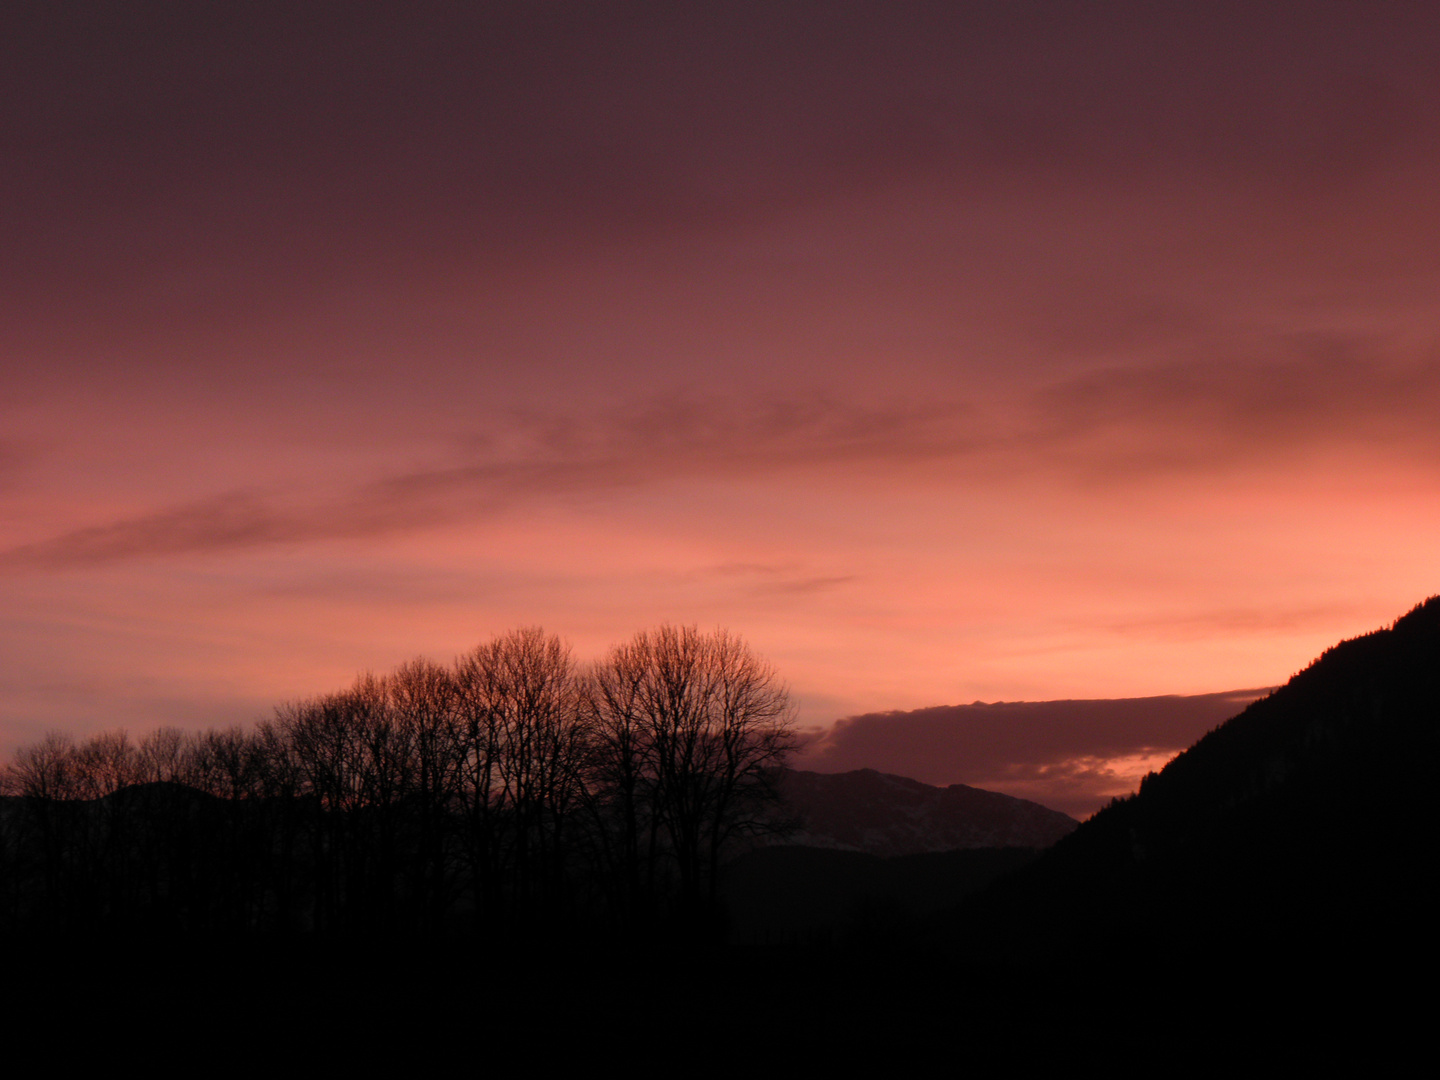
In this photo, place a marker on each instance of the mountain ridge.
(890, 815)
(1301, 829)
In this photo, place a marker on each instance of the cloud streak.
(1186, 418)
(1072, 755)
(548, 457)
(1110, 426)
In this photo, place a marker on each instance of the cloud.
(800, 586)
(1066, 754)
(789, 579)
(1338, 388)
(1183, 417)
(1110, 426)
(1079, 786)
(218, 524)
(545, 457)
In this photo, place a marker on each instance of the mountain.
(1294, 844)
(886, 815)
(866, 853)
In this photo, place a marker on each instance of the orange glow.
(1014, 370)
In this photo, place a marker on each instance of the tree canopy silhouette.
(510, 784)
(689, 732)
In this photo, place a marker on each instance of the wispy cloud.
(544, 457)
(1187, 417)
(1111, 426)
(800, 586)
(787, 579)
(223, 523)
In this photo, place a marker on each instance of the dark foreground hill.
(1292, 848)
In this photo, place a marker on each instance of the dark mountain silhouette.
(865, 853)
(1293, 845)
(1273, 886)
(886, 815)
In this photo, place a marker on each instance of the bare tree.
(621, 779)
(524, 746)
(377, 807)
(106, 763)
(691, 731)
(44, 770)
(43, 774)
(227, 763)
(424, 697)
(164, 756)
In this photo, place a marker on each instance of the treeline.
(510, 786)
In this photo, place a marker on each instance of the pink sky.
(945, 352)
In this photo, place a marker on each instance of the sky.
(946, 352)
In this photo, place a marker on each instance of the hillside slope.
(1302, 831)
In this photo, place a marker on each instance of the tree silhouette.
(523, 754)
(510, 780)
(690, 732)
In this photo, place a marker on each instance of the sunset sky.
(945, 351)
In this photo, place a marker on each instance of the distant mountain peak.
(883, 814)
